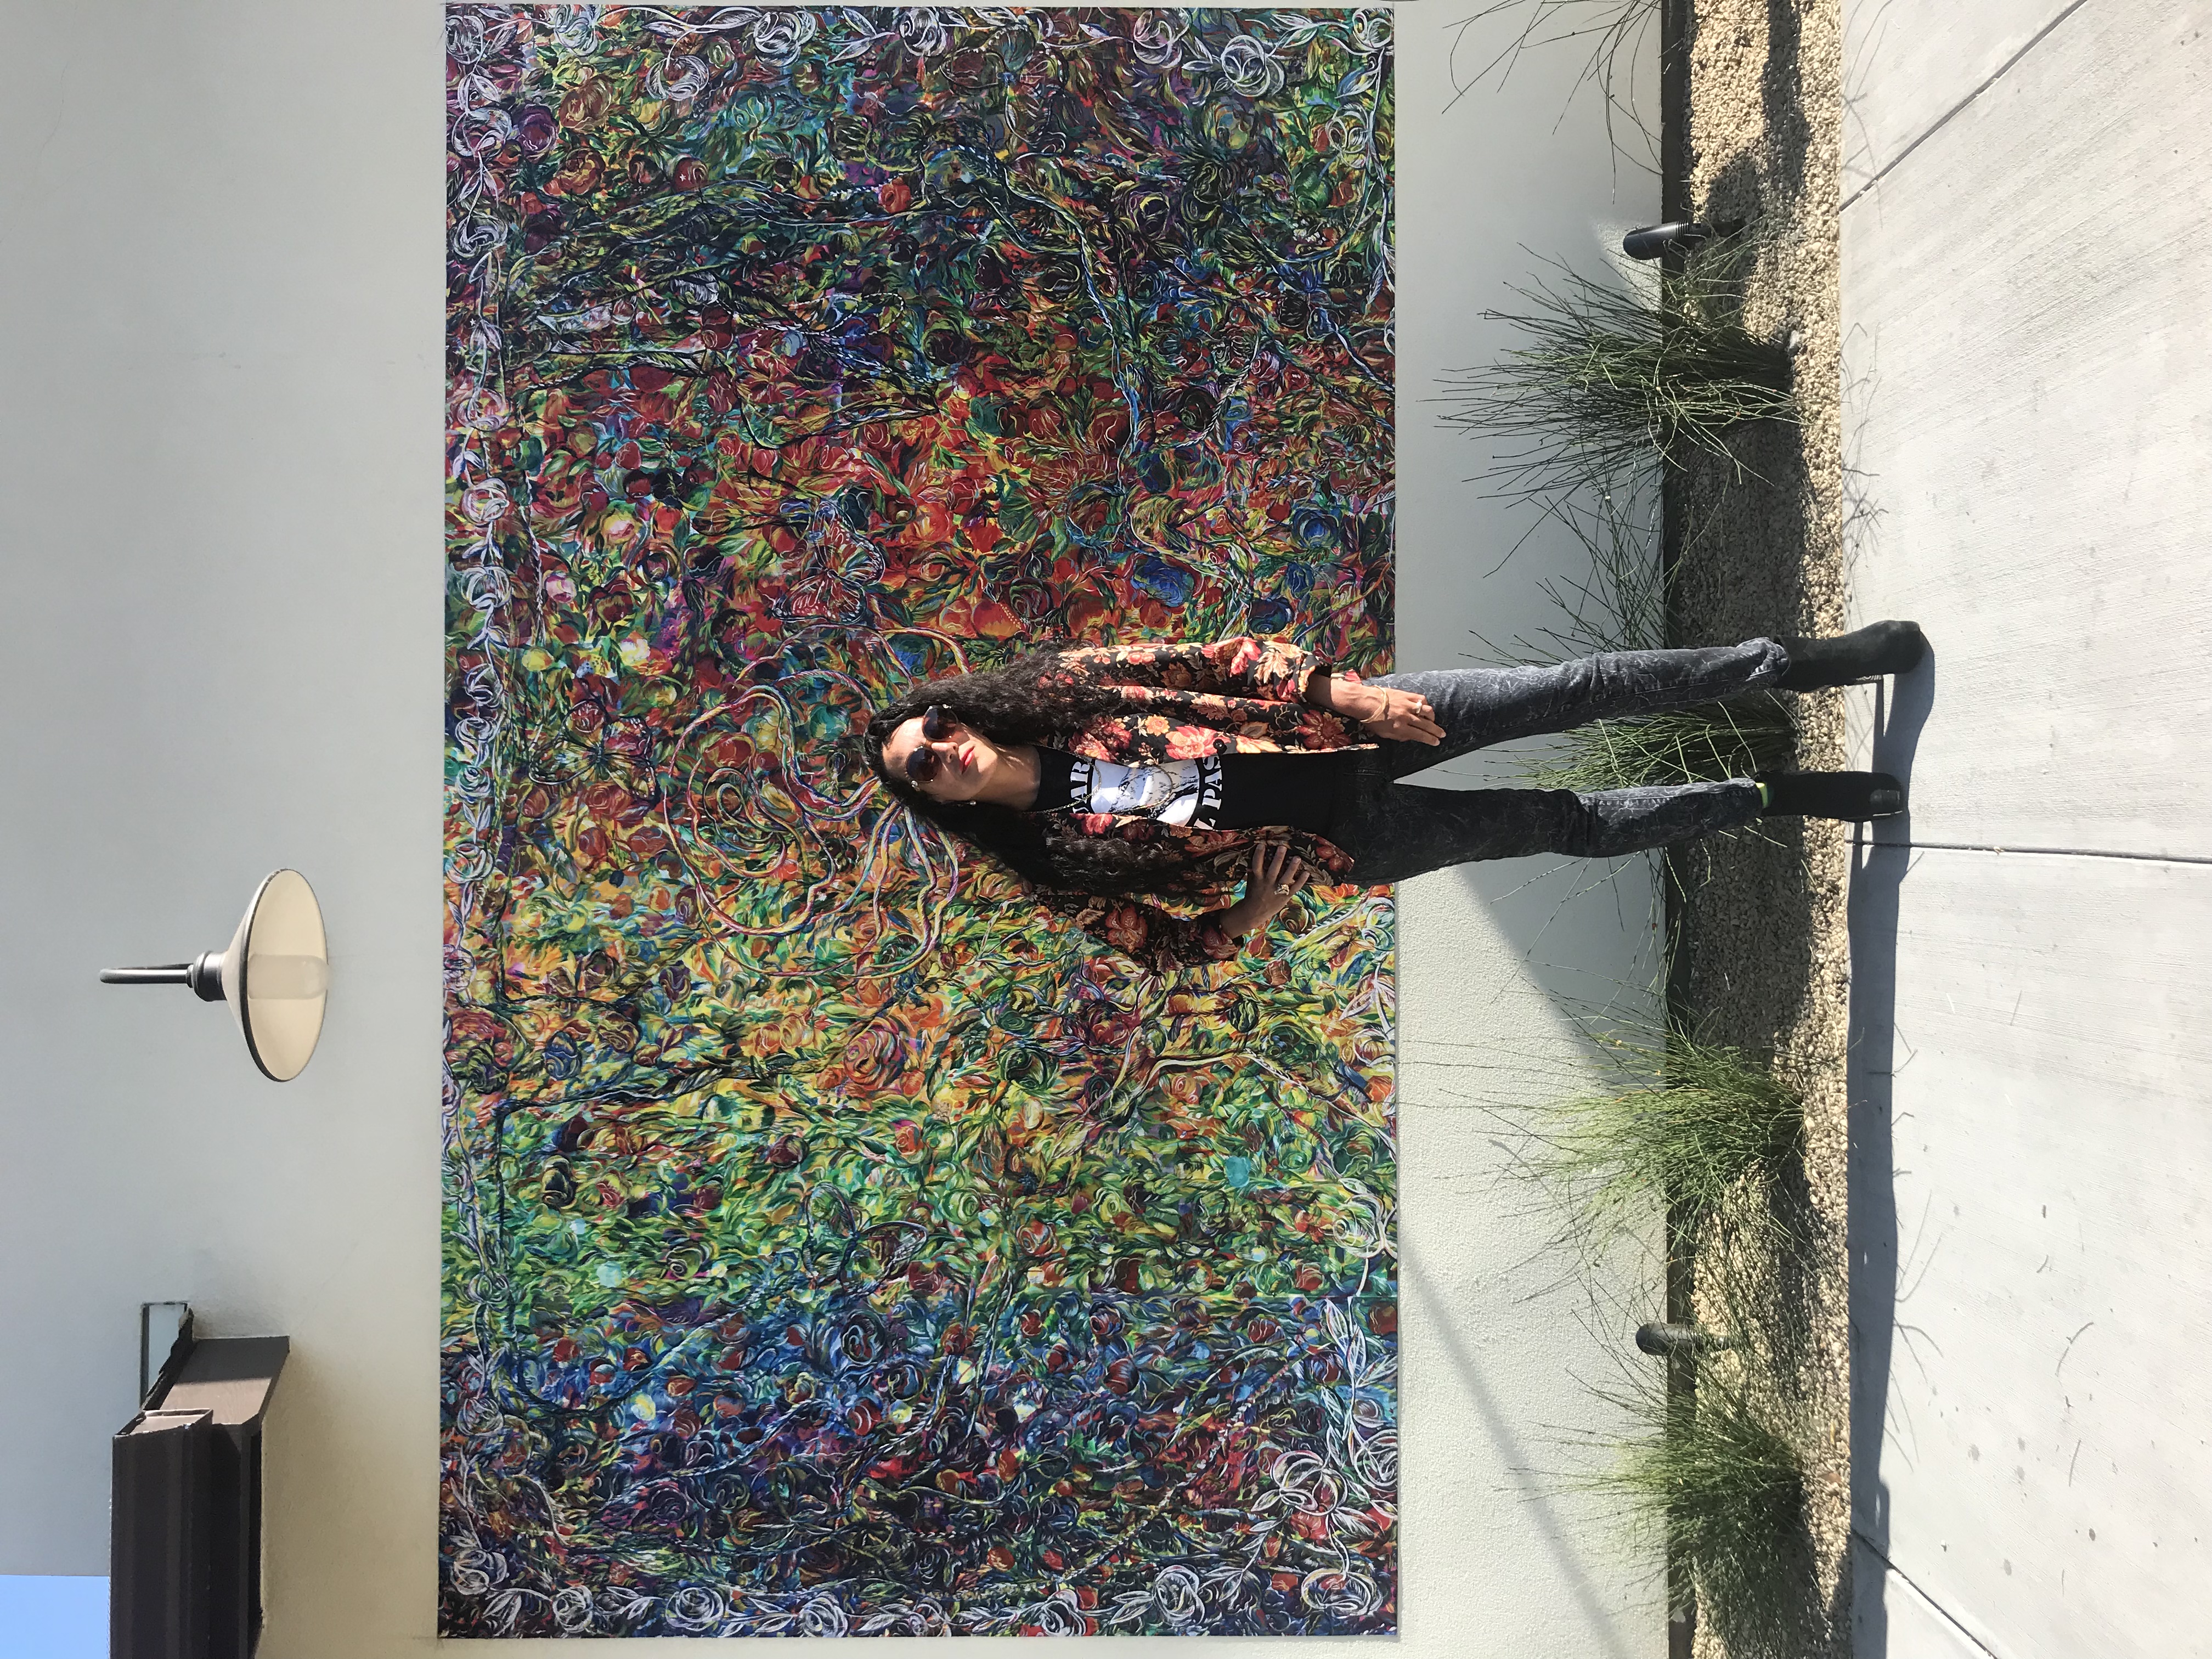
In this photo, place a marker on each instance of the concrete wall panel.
(1891, 1619)
(2030, 1211)
(1906, 67)
(2031, 454)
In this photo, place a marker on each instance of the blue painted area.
(42, 1618)
(1313, 529)
(1172, 583)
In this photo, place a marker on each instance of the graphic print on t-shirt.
(1187, 792)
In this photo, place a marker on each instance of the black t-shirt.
(1220, 792)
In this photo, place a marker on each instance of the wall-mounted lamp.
(276, 975)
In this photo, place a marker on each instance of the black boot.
(1883, 647)
(1852, 796)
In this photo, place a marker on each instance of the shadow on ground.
(1879, 867)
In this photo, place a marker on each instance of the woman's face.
(967, 763)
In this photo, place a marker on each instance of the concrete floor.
(2027, 276)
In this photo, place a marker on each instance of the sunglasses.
(922, 765)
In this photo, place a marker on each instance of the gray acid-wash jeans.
(1393, 830)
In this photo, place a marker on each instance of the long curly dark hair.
(1019, 704)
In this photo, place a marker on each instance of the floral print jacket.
(1237, 696)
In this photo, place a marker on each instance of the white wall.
(220, 272)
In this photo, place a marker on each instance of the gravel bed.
(1763, 961)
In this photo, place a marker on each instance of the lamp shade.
(274, 974)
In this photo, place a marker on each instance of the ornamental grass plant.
(1710, 1464)
(1715, 1475)
(1621, 606)
(1613, 373)
(1709, 743)
(1694, 1128)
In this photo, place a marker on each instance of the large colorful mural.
(833, 1244)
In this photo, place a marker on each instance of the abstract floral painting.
(833, 1242)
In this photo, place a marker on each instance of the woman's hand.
(1382, 711)
(1277, 874)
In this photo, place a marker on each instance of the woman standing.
(1109, 777)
